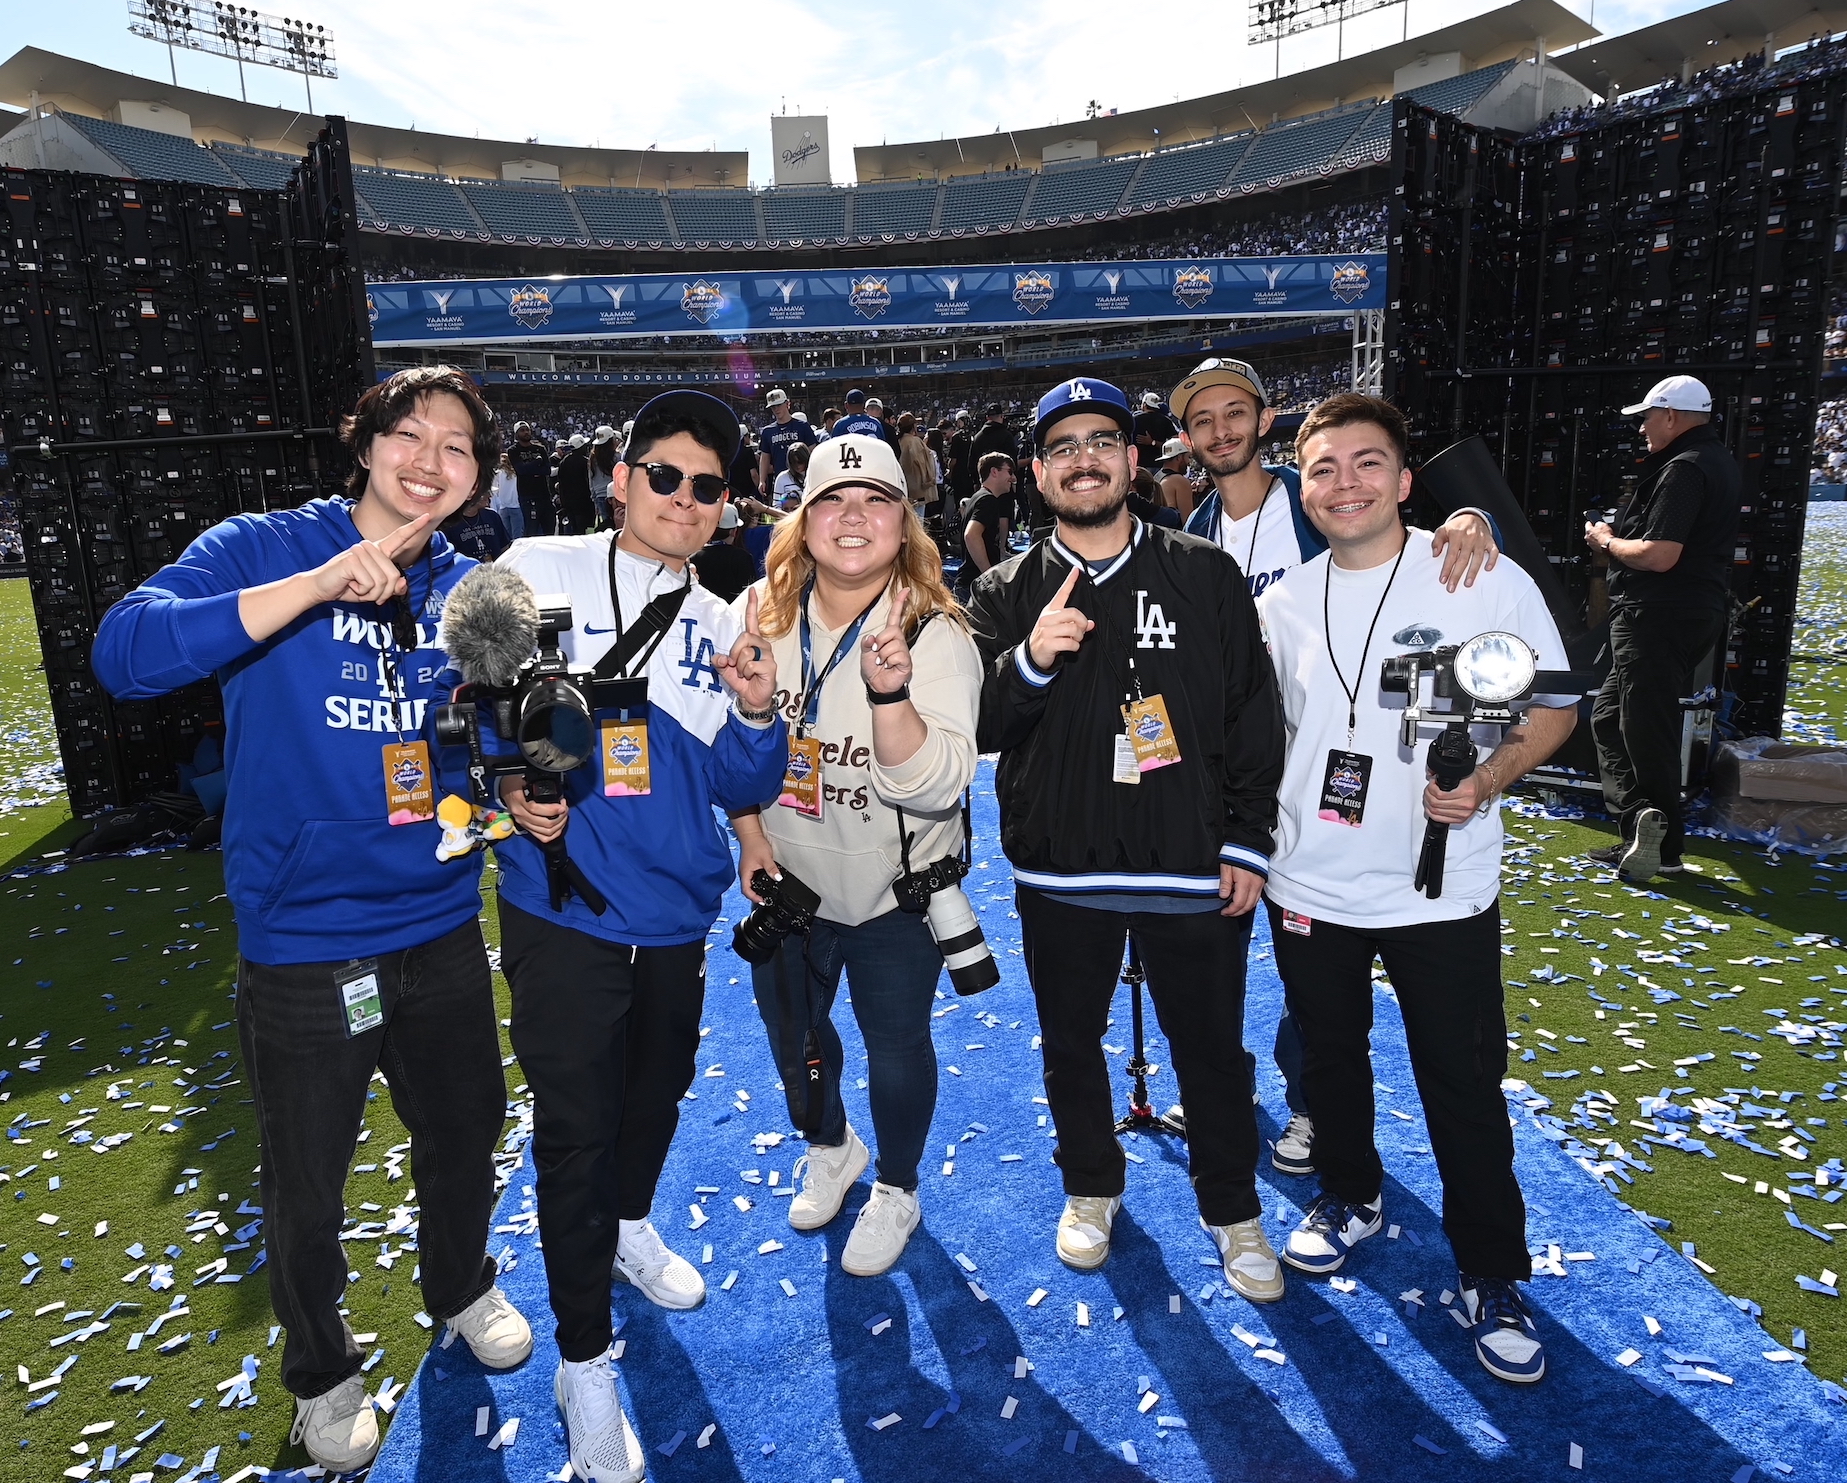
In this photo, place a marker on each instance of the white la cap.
(1682, 393)
(853, 459)
(776, 397)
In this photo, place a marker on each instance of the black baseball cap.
(695, 406)
(994, 409)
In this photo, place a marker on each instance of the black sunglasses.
(664, 478)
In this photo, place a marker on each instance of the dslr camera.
(936, 893)
(784, 906)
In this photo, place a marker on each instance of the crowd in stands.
(1829, 461)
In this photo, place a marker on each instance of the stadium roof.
(1701, 38)
(1482, 39)
(82, 87)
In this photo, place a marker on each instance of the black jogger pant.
(606, 1034)
(1195, 968)
(1447, 978)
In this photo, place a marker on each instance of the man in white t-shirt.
(1254, 512)
(1352, 814)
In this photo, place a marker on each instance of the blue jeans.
(892, 965)
(514, 522)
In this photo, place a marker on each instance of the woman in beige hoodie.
(882, 686)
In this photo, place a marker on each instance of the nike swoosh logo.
(589, 629)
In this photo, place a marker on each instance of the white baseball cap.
(776, 397)
(578, 440)
(1151, 399)
(872, 402)
(604, 433)
(1682, 393)
(1173, 448)
(728, 517)
(854, 459)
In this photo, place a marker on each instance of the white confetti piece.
(788, 1287)
(1575, 1458)
(481, 1415)
(1012, 1404)
(1038, 1297)
(1148, 1402)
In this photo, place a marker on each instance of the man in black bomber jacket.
(1130, 696)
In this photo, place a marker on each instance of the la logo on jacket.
(1151, 623)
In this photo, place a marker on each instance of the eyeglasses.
(665, 479)
(1066, 449)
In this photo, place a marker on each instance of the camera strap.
(651, 623)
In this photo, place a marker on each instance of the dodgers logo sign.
(869, 297)
(530, 306)
(1350, 282)
(702, 300)
(1193, 286)
(1032, 290)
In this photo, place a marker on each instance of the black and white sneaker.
(1610, 854)
(1642, 860)
(1500, 1323)
(1294, 1151)
(1331, 1229)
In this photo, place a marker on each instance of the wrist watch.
(873, 697)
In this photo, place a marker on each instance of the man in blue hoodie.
(606, 1006)
(358, 949)
(1254, 512)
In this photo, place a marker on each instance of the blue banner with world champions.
(609, 307)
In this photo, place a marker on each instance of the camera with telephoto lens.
(936, 892)
(784, 906)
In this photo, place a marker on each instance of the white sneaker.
(1251, 1266)
(665, 1278)
(885, 1223)
(338, 1428)
(826, 1174)
(603, 1446)
(1083, 1230)
(1294, 1152)
(495, 1330)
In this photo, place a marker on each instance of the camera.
(785, 906)
(936, 892)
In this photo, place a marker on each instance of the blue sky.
(634, 74)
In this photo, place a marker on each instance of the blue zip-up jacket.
(660, 858)
(314, 872)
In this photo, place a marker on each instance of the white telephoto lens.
(958, 936)
(1496, 667)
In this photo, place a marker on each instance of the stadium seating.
(888, 210)
(1081, 190)
(623, 215)
(805, 215)
(984, 200)
(1371, 141)
(1285, 151)
(714, 215)
(412, 201)
(1179, 172)
(523, 208)
(150, 155)
(1459, 94)
(260, 169)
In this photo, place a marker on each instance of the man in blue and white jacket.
(358, 950)
(1255, 513)
(606, 1007)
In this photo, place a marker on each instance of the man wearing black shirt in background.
(576, 510)
(1670, 555)
(532, 475)
(725, 568)
(1153, 429)
(987, 520)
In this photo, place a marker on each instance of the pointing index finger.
(750, 612)
(398, 539)
(1063, 600)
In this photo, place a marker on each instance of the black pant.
(1447, 977)
(441, 1058)
(1287, 1048)
(535, 510)
(606, 1035)
(1636, 720)
(1195, 968)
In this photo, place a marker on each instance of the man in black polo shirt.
(1670, 554)
(532, 476)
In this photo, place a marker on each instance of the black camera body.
(915, 887)
(785, 906)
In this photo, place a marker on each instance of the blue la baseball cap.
(856, 397)
(1081, 394)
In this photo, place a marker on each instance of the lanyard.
(406, 634)
(634, 666)
(812, 683)
(1327, 632)
(1256, 525)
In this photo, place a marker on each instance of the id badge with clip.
(1123, 766)
(801, 784)
(1151, 733)
(624, 738)
(360, 1002)
(410, 794)
(1343, 787)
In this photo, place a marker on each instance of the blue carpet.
(1369, 1387)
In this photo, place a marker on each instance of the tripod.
(1141, 1116)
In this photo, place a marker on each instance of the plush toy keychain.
(467, 826)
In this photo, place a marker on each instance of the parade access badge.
(624, 742)
(1151, 734)
(359, 997)
(1343, 788)
(410, 794)
(801, 784)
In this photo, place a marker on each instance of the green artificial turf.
(124, 967)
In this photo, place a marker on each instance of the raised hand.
(1060, 629)
(1465, 543)
(369, 571)
(884, 657)
(750, 668)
